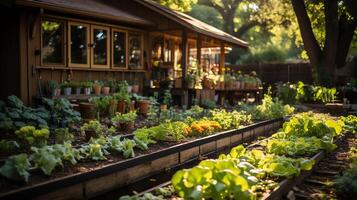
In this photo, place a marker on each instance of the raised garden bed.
(107, 177)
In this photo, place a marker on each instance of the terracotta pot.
(87, 111)
(144, 106)
(163, 107)
(207, 84)
(135, 89)
(97, 89)
(126, 126)
(121, 106)
(90, 134)
(106, 90)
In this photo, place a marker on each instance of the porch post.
(184, 59)
(222, 59)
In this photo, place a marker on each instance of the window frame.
(114, 66)
(64, 41)
(92, 64)
(70, 64)
(141, 35)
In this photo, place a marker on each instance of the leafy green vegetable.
(61, 112)
(16, 168)
(96, 149)
(126, 146)
(67, 153)
(7, 146)
(63, 135)
(350, 123)
(33, 136)
(46, 159)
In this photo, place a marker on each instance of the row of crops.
(254, 172)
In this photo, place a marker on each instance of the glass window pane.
(52, 42)
(78, 44)
(134, 51)
(168, 50)
(100, 37)
(119, 49)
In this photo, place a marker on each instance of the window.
(135, 53)
(100, 44)
(52, 52)
(168, 50)
(119, 48)
(78, 44)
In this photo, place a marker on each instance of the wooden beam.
(199, 46)
(184, 61)
(222, 59)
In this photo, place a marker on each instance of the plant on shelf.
(190, 80)
(122, 96)
(92, 129)
(97, 87)
(66, 87)
(63, 135)
(33, 136)
(125, 121)
(76, 86)
(101, 105)
(87, 87)
(166, 100)
(54, 88)
(106, 88)
(16, 168)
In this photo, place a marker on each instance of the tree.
(329, 51)
(179, 5)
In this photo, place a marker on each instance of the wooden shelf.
(91, 69)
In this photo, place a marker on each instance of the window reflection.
(119, 49)
(100, 37)
(134, 51)
(78, 35)
(52, 42)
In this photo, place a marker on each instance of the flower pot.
(130, 88)
(121, 106)
(207, 84)
(56, 92)
(78, 91)
(87, 110)
(97, 89)
(87, 91)
(106, 90)
(90, 134)
(126, 126)
(163, 107)
(135, 89)
(143, 106)
(67, 91)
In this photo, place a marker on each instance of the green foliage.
(67, 153)
(33, 136)
(94, 126)
(229, 120)
(269, 109)
(304, 93)
(167, 97)
(179, 5)
(16, 168)
(46, 159)
(125, 146)
(61, 112)
(8, 145)
(301, 146)
(14, 115)
(125, 118)
(63, 135)
(350, 123)
(96, 149)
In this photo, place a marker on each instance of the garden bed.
(113, 173)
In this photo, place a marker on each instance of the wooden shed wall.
(10, 76)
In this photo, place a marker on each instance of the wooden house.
(135, 40)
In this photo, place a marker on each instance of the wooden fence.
(272, 73)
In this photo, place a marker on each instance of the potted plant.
(87, 110)
(66, 87)
(92, 129)
(112, 85)
(135, 87)
(106, 88)
(125, 121)
(77, 87)
(143, 104)
(87, 87)
(166, 100)
(97, 87)
(54, 88)
(190, 80)
(122, 97)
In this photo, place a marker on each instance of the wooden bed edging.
(92, 183)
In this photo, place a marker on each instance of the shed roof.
(193, 23)
(87, 8)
